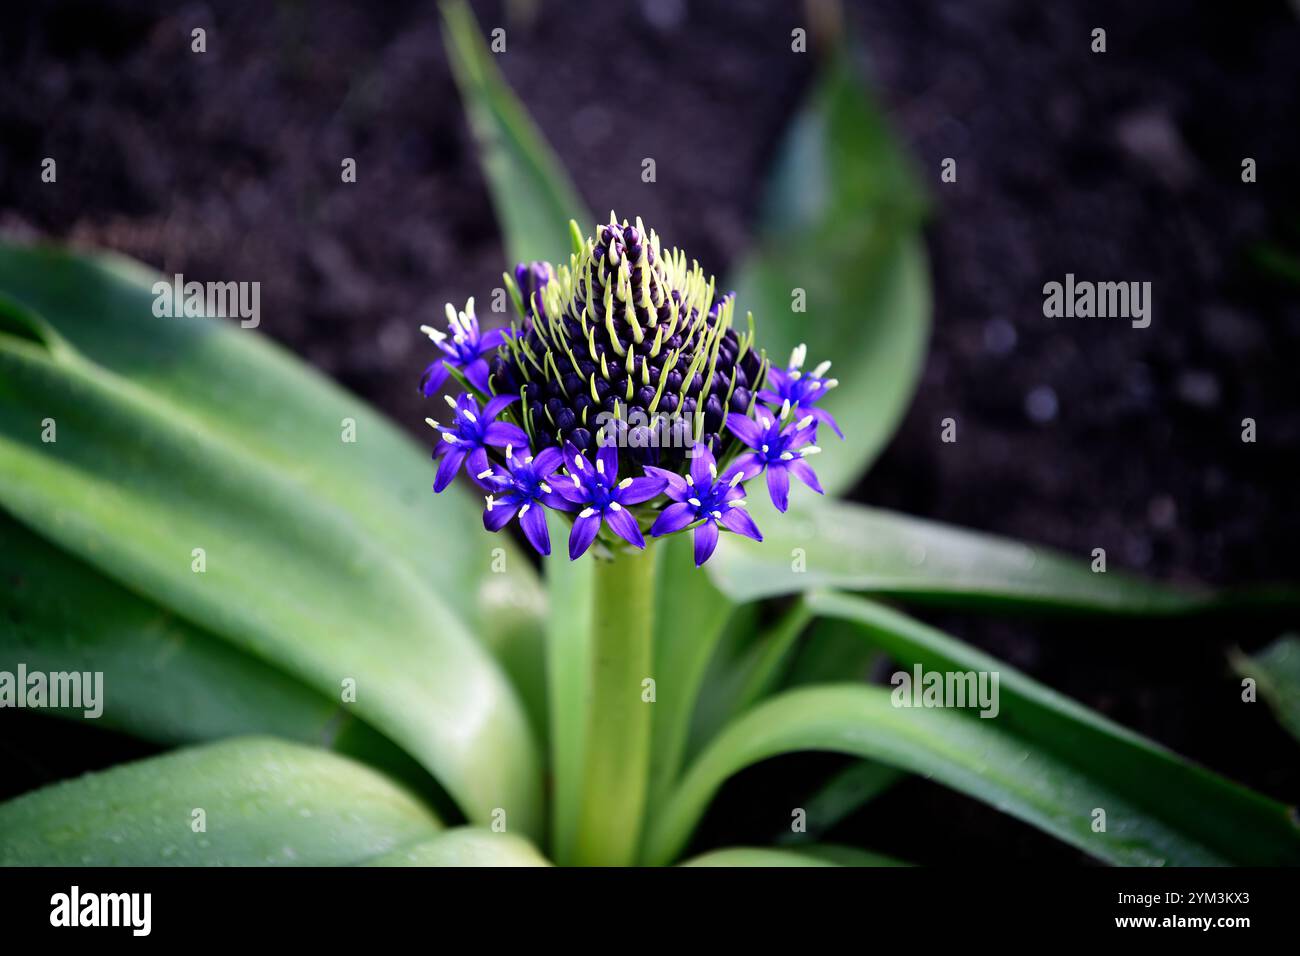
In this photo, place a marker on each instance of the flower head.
(704, 496)
(463, 348)
(801, 389)
(525, 486)
(640, 407)
(778, 448)
(470, 433)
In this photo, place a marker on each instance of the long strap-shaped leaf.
(977, 757)
(1234, 822)
(238, 384)
(533, 197)
(164, 679)
(839, 544)
(134, 487)
(839, 264)
(251, 801)
(465, 846)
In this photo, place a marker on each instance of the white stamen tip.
(524, 510)
(431, 423)
(798, 354)
(821, 370)
(713, 470)
(786, 456)
(716, 514)
(810, 450)
(544, 486)
(510, 452)
(449, 400)
(600, 465)
(693, 501)
(737, 478)
(805, 421)
(763, 449)
(490, 502)
(586, 512)
(615, 506)
(625, 482)
(484, 474)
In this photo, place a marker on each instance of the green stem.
(618, 719)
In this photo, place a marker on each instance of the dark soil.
(1075, 433)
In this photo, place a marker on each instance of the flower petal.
(746, 429)
(778, 485)
(701, 460)
(624, 525)
(639, 490)
(607, 463)
(750, 464)
(496, 404)
(499, 514)
(583, 533)
(477, 464)
(824, 416)
(434, 376)
(675, 486)
(673, 519)
(706, 539)
(501, 434)
(448, 466)
(546, 463)
(477, 374)
(803, 471)
(739, 521)
(491, 340)
(532, 519)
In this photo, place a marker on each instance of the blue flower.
(801, 389)
(705, 497)
(526, 486)
(469, 434)
(463, 348)
(600, 495)
(780, 449)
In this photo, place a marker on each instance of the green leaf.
(293, 576)
(804, 856)
(840, 796)
(690, 619)
(1231, 821)
(841, 222)
(240, 386)
(968, 754)
(465, 846)
(1276, 671)
(857, 548)
(530, 191)
(163, 679)
(264, 802)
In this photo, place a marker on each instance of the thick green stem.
(617, 758)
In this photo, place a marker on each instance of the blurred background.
(1074, 433)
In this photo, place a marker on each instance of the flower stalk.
(617, 760)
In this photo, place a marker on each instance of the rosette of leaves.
(354, 677)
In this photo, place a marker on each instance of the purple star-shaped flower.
(600, 495)
(468, 435)
(779, 449)
(523, 487)
(703, 496)
(801, 389)
(463, 348)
